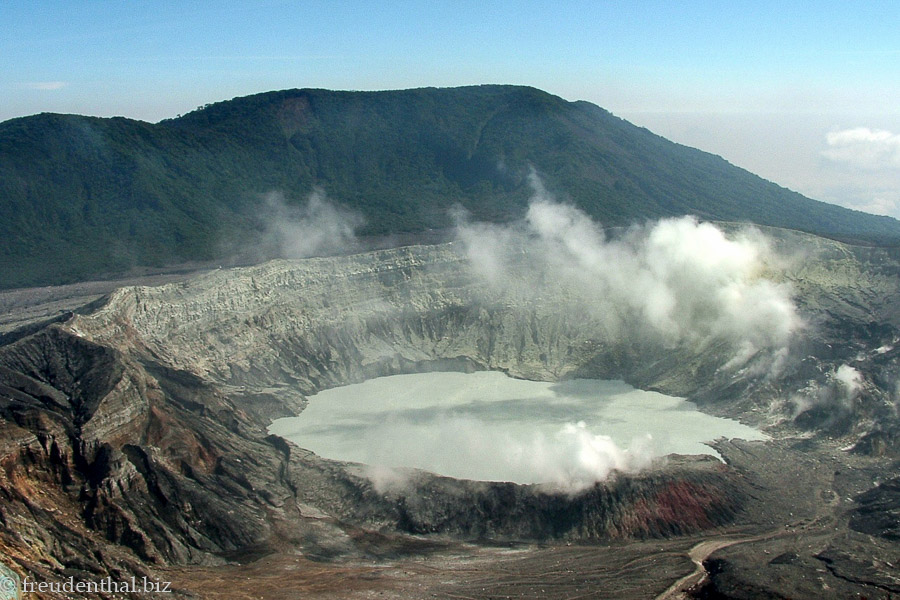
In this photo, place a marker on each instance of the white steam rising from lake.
(488, 426)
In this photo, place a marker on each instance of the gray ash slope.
(134, 429)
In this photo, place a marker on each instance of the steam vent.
(684, 378)
(135, 426)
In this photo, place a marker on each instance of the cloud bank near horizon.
(865, 148)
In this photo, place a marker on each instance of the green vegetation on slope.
(82, 196)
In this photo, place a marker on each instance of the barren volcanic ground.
(134, 436)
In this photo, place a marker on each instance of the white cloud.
(312, 229)
(571, 458)
(882, 206)
(864, 148)
(44, 85)
(849, 381)
(677, 281)
(840, 389)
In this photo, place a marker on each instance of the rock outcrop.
(134, 430)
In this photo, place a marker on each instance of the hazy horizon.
(802, 96)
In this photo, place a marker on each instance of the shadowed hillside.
(82, 197)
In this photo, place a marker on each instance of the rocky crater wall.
(145, 414)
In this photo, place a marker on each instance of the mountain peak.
(82, 196)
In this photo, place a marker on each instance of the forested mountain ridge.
(83, 196)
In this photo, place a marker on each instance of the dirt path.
(703, 550)
(699, 553)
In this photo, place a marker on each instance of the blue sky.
(804, 93)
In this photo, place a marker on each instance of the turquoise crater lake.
(489, 426)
